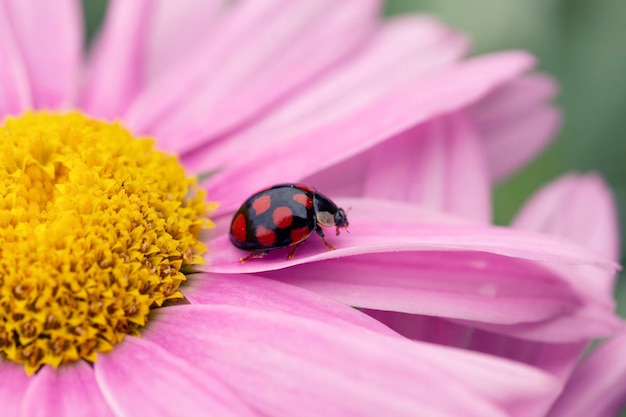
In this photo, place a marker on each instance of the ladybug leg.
(255, 255)
(320, 232)
(292, 253)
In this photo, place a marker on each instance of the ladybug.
(281, 216)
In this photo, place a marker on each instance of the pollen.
(96, 229)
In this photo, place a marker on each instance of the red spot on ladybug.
(303, 199)
(238, 228)
(261, 204)
(265, 236)
(282, 216)
(300, 234)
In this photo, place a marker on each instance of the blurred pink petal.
(557, 359)
(250, 69)
(514, 99)
(590, 319)
(49, 36)
(117, 65)
(516, 122)
(177, 30)
(450, 158)
(586, 320)
(70, 391)
(439, 165)
(339, 93)
(13, 385)
(581, 208)
(576, 206)
(15, 94)
(263, 355)
(440, 93)
(598, 386)
(139, 42)
(140, 378)
(258, 293)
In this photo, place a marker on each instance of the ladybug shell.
(277, 217)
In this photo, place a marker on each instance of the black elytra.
(281, 216)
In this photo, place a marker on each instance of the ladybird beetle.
(281, 216)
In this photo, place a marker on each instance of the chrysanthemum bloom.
(103, 228)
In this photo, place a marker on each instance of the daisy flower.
(110, 304)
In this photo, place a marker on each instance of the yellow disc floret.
(95, 228)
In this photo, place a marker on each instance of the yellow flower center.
(96, 228)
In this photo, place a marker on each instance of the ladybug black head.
(341, 220)
(328, 214)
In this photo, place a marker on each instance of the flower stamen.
(95, 229)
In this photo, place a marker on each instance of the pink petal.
(598, 387)
(439, 165)
(258, 293)
(581, 208)
(49, 35)
(591, 319)
(391, 261)
(355, 84)
(441, 93)
(138, 378)
(15, 94)
(441, 284)
(576, 206)
(70, 391)
(13, 385)
(289, 365)
(116, 67)
(177, 29)
(379, 226)
(558, 359)
(517, 123)
(242, 70)
(555, 358)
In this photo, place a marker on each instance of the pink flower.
(388, 115)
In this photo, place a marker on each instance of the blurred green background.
(579, 42)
